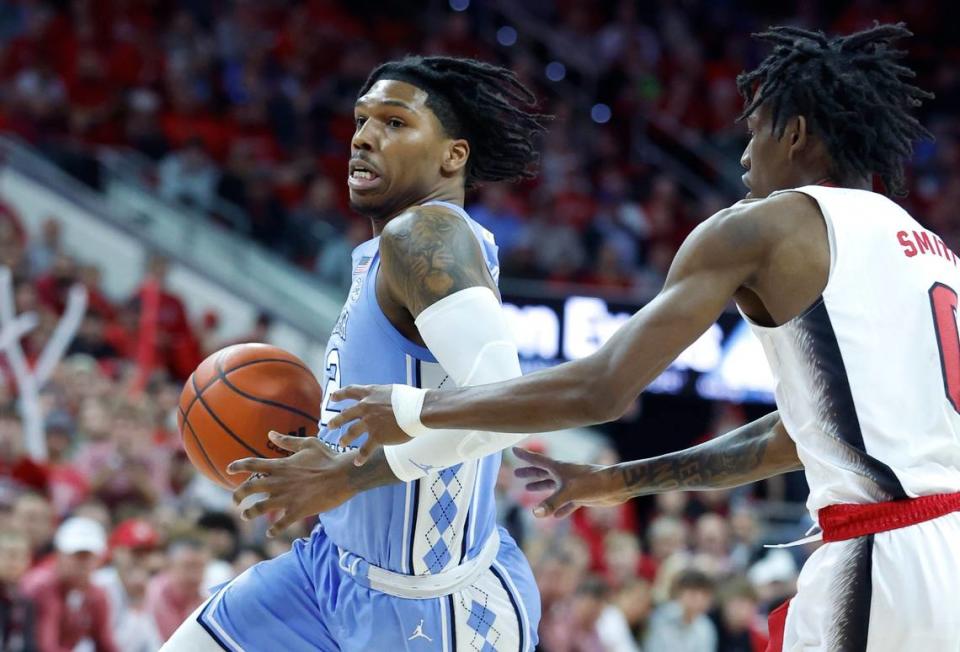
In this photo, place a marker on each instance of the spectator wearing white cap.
(774, 577)
(70, 609)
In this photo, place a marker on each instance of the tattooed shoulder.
(429, 252)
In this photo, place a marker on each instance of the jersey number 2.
(333, 384)
(943, 301)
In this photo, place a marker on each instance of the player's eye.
(359, 120)
(395, 123)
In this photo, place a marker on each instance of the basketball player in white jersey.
(856, 306)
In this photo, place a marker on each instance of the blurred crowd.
(244, 110)
(113, 539)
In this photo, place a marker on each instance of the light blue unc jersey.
(422, 527)
(320, 595)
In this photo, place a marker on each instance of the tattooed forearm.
(429, 253)
(752, 452)
(696, 469)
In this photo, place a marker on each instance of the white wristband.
(407, 402)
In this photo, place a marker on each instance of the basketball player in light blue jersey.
(413, 558)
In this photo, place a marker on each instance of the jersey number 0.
(943, 301)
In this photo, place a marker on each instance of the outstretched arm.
(719, 257)
(752, 452)
(725, 253)
(755, 451)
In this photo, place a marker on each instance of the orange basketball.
(238, 395)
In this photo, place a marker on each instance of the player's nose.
(745, 158)
(364, 137)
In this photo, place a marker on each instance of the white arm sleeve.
(467, 332)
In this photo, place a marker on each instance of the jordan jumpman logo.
(418, 633)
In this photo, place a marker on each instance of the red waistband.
(847, 521)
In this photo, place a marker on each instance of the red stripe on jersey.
(847, 521)
(777, 623)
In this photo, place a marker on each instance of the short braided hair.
(852, 92)
(485, 104)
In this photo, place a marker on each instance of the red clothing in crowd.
(593, 533)
(99, 303)
(66, 616)
(122, 339)
(168, 606)
(177, 348)
(52, 292)
(68, 487)
(24, 472)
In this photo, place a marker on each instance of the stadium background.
(185, 163)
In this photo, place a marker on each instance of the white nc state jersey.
(868, 378)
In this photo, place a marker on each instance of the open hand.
(371, 414)
(310, 481)
(573, 485)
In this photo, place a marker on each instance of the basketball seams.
(222, 376)
(200, 390)
(214, 396)
(203, 451)
(223, 425)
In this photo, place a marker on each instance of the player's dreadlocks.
(485, 104)
(852, 92)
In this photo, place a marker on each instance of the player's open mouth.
(362, 177)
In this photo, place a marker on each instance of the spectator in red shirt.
(174, 594)
(123, 332)
(52, 287)
(176, 345)
(68, 486)
(93, 99)
(70, 609)
(17, 612)
(91, 277)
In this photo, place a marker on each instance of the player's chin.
(367, 202)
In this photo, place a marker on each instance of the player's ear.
(456, 156)
(796, 134)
